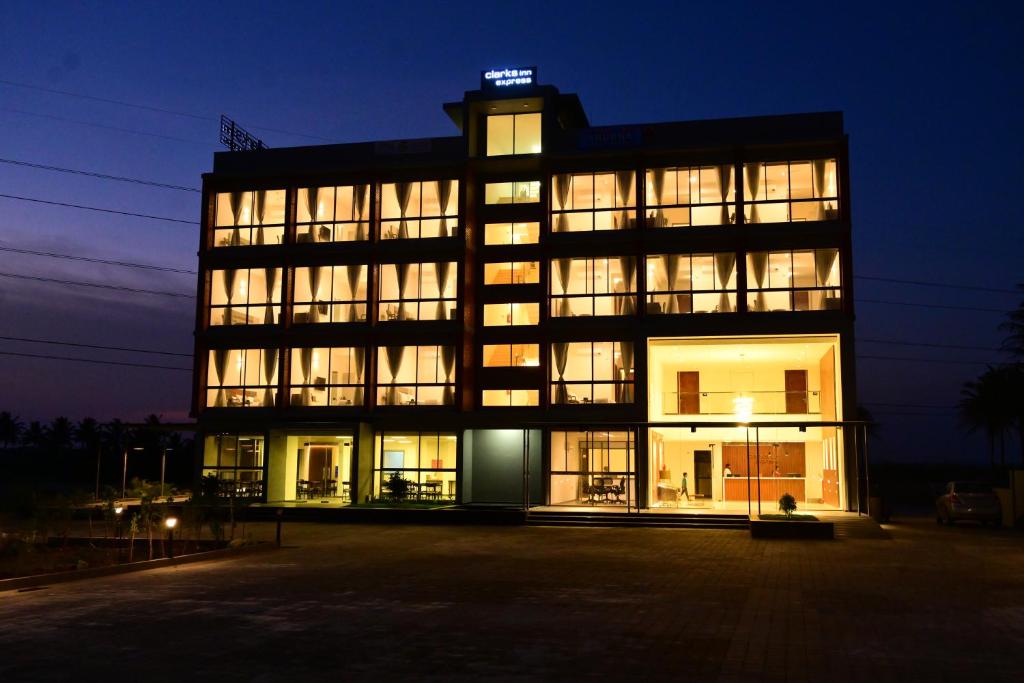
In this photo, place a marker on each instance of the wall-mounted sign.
(503, 79)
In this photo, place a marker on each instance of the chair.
(619, 489)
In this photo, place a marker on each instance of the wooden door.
(688, 386)
(317, 462)
(796, 391)
(702, 473)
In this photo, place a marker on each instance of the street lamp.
(163, 467)
(170, 523)
(124, 469)
(117, 524)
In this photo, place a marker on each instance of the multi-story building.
(653, 315)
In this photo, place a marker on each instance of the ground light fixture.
(170, 523)
(117, 527)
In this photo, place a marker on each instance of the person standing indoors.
(727, 470)
(684, 491)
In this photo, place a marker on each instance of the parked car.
(968, 500)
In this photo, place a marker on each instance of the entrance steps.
(663, 520)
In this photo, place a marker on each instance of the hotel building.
(643, 317)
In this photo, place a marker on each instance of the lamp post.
(163, 468)
(170, 523)
(117, 523)
(124, 469)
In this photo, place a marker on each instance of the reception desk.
(769, 488)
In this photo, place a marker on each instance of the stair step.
(655, 520)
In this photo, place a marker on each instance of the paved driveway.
(366, 602)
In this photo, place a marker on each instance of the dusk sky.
(931, 93)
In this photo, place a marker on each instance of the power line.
(118, 129)
(943, 306)
(104, 176)
(944, 285)
(126, 264)
(96, 346)
(908, 405)
(96, 208)
(927, 360)
(91, 360)
(146, 107)
(934, 346)
(97, 285)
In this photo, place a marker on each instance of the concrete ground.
(387, 602)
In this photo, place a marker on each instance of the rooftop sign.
(506, 79)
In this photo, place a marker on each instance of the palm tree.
(35, 435)
(61, 433)
(10, 429)
(987, 404)
(87, 435)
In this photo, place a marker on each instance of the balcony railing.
(723, 402)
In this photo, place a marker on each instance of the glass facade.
(593, 201)
(513, 134)
(333, 214)
(245, 296)
(685, 196)
(330, 294)
(691, 283)
(793, 280)
(248, 218)
(242, 378)
(236, 460)
(422, 465)
(586, 287)
(417, 291)
(593, 467)
(410, 210)
(327, 376)
(415, 375)
(791, 191)
(591, 372)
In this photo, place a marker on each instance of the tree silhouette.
(10, 429)
(61, 434)
(34, 436)
(987, 404)
(1014, 329)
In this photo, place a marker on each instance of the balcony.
(724, 402)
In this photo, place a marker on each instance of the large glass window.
(328, 376)
(684, 196)
(415, 375)
(333, 214)
(512, 273)
(591, 372)
(793, 280)
(511, 233)
(248, 218)
(426, 461)
(602, 286)
(593, 468)
(511, 355)
(513, 134)
(691, 283)
(508, 314)
(593, 201)
(510, 398)
(238, 378)
(409, 210)
(783, 191)
(245, 296)
(417, 291)
(330, 294)
(518, 192)
(237, 462)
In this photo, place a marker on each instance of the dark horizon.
(929, 103)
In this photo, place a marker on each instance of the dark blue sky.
(932, 96)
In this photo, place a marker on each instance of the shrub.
(397, 487)
(787, 504)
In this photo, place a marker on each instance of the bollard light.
(171, 522)
(118, 510)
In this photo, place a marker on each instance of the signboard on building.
(508, 79)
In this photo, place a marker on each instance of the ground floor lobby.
(669, 468)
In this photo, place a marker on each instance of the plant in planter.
(787, 503)
(397, 487)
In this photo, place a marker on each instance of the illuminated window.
(330, 294)
(691, 283)
(426, 461)
(409, 210)
(793, 280)
(327, 376)
(603, 286)
(512, 273)
(590, 467)
(237, 462)
(500, 315)
(513, 134)
(333, 214)
(415, 375)
(417, 291)
(582, 202)
(511, 355)
(245, 296)
(242, 378)
(591, 372)
(510, 398)
(698, 195)
(518, 192)
(784, 191)
(511, 233)
(248, 218)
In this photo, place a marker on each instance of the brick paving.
(360, 602)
